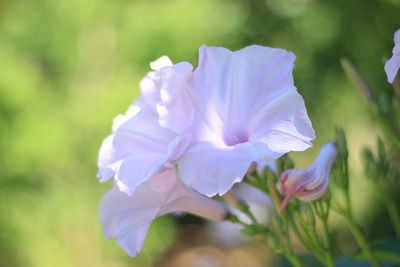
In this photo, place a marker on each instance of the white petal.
(132, 111)
(211, 170)
(154, 131)
(137, 149)
(123, 218)
(392, 67)
(397, 39)
(128, 218)
(393, 64)
(107, 153)
(238, 84)
(234, 91)
(106, 158)
(326, 157)
(164, 90)
(175, 110)
(283, 124)
(162, 62)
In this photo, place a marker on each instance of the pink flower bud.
(310, 183)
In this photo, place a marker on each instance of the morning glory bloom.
(128, 218)
(393, 64)
(311, 183)
(146, 137)
(246, 109)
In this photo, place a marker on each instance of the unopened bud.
(310, 183)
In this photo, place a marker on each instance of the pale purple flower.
(164, 90)
(246, 109)
(146, 137)
(393, 64)
(128, 218)
(310, 183)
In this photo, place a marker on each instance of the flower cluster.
(194, 134)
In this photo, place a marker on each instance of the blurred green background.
(68, 67)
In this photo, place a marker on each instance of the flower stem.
(328, 255)
(308, 244)
(357, 233)
(241, 205)
(294, 260)
(291, 255)
(322, 209)
(312, 241)
(393, 213)
(362, 242)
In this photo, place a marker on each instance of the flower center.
(232, 138)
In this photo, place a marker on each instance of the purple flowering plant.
(195, 134)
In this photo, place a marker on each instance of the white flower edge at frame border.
(392, 66)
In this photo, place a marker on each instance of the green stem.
(323, 213)
(391, 133)
(294, 260)
(291, 255)
(308, 244)
(299, 235)
(358, 235)
(234, 219)
(251, 216)
(327, 242)
(313, 240)
(308, 241)
(393, 213)
(362, 242)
